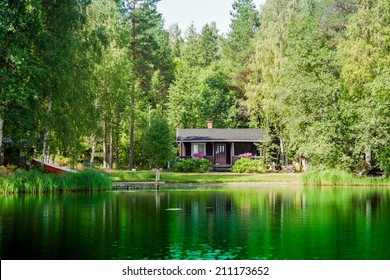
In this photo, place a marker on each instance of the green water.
(203, 223)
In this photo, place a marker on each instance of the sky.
(200, 12)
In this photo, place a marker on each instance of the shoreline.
(164, 185)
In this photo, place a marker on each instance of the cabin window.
(198, 148)
(241, 148)
(209, 149)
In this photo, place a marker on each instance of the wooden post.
(158, 178)
(157, 175)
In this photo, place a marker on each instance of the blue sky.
(200, 12)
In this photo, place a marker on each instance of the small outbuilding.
(221, 146)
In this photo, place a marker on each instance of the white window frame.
(198, 144)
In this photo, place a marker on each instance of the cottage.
(221, 146)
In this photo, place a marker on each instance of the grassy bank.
(34, 181)
(340, 178)
(174, 177)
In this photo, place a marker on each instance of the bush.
(246, 165)
(198, 165)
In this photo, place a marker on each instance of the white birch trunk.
(111, 151)
(104, 144)
(93, 149)
(368, 158)
(282, 155)
(46, 132)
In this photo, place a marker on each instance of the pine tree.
(238, 45)
(147, 55)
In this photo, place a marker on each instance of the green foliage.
(335, 177)
(199, 94)
(317, 88)
(246, 165)
(158, 143)
(364, 56)
(198, 165)
(209, 45)
(34, 181)
(313, 74)
(239, 46)
(383, 156)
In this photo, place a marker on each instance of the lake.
(342, 223)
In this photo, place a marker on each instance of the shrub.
(246, 165)
(199, 165)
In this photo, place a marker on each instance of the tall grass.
(34, 181)
(335, 177)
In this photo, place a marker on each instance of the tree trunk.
(286, 155)
(304, 164)
(46, 132)
(93, 149)
(367, 160)
(48, 153)
(282, 153)
(1, 141)
(104, 144)
(133, 56)
(131, 152)
(111, 151)
(117, 148)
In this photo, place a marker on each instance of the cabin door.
(220, 153)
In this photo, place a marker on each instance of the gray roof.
(220, 135)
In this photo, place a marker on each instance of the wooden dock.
(137, 185)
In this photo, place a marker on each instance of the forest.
(103, 83)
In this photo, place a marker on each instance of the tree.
(199, 94)
(176, 41)
(18, 25)
(364, 56)
(209, 45)
(41, 51)
(238, 46)
(146, 55)
(265, 102)
(158, 142)
(109, 79)
(191, 54)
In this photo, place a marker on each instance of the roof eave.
(217, 140)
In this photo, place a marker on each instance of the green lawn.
(213, 177)
(326, 178)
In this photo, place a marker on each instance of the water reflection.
(202, 223)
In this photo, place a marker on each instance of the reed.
(334, 177)
(34, 181)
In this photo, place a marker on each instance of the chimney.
(209, 124)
